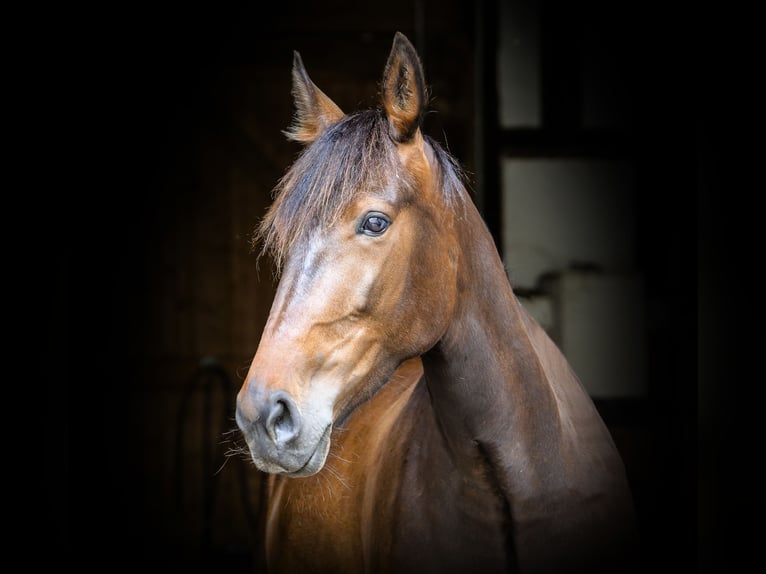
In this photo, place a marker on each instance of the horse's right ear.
(314, 111)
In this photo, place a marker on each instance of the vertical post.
(488, 192)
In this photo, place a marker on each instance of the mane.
(353, 155)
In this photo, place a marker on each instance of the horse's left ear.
(404, 89)
(314, 111)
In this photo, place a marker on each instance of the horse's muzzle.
(278, 439)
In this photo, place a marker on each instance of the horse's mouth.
(316, 461)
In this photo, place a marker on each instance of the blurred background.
(577, 128)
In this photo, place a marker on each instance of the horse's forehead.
(393, 190)
(314, 242)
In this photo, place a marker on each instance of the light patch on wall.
(600, 328)
(564, 213)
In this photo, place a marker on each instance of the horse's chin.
(314, 463)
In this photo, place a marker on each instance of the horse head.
(362, 230)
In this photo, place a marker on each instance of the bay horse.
(412, 416)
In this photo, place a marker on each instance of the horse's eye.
(374, 224)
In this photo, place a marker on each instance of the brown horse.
(412, 416)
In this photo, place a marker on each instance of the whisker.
(338, 457)
(334, 472)
(220, 468)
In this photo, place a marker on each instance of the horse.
(410, 414)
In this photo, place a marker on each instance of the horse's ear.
(404, 89)
(314, 111)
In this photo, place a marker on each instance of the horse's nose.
(272, 416)
(280, 418)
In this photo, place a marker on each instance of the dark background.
(170, 144)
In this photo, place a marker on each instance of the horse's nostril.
(283, 419)
(279, 418)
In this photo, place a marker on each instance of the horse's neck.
(484, 375)
(502, 390)
(499, 384)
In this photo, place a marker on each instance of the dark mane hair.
(354, 154)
